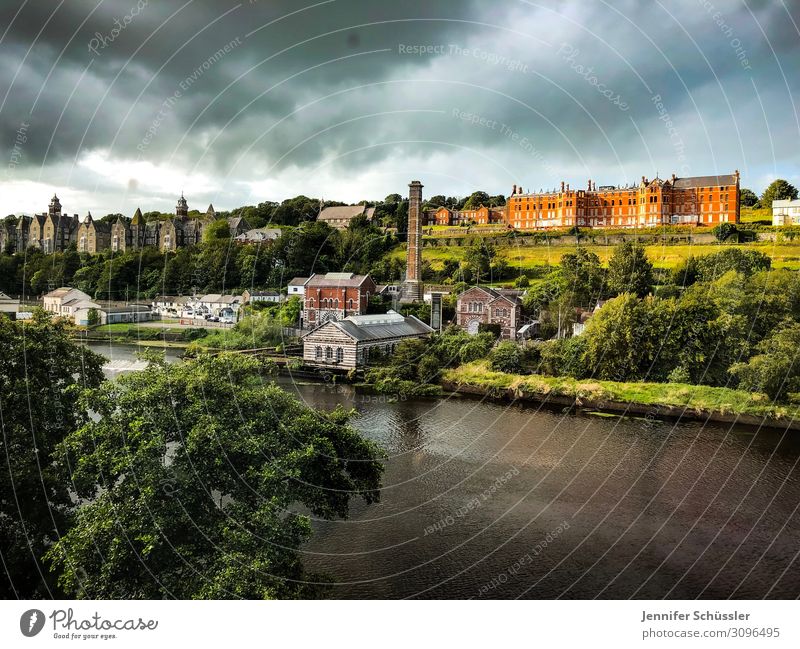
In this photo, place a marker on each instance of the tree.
(748, 198)
(194, 487)
(93, 317)
(217, 230)
(475, 200)
(778, 190)
(290, 311)
(775, 369)
(630, 271)
(744, 261)
(581, 276)
(478, 260)
(40, 371)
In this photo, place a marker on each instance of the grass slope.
(700, 398)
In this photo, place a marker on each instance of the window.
(318, 352)
(336, 303)
(350, 304)
(328, 353)
(339, 354)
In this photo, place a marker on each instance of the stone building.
(93, 236)
(8, 235)
(335, 295)
(53, 231)
(483, 305)
(339, 217)
(348, 343)
(23, 232)
(696, 200)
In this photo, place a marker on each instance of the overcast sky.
(115, 104)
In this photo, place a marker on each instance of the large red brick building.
(482, 216)
(336, 295)
(696, 200)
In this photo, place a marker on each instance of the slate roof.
(511, 295)
(345, 212)
(704, 181)
(379, 326)
(298, 281)
(336, 279)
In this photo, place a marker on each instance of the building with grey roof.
(348, 343)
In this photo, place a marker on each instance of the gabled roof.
(509, 294)
(298, 281)
(378, 327)
(345, 212)
(137, 217)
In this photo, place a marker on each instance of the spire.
(137, 217)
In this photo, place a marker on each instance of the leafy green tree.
(216, 230)
(478, 259)
(93, 317)
(290, 311)
(581, 276)
(744, 261)
(475, 200)
(41, 369)
(748, 198)
(194, 476)
(506, 357)
(778, 190)
(626, 337)
(630, 271)
(775, 370)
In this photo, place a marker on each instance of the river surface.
(492, 500)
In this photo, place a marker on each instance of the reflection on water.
(484, 499)
(651, 509)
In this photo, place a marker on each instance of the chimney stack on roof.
(589, 185)
(514, 190)
(562, 186)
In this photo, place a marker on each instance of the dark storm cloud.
(553, 90)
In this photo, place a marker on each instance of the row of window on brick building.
(329, 303)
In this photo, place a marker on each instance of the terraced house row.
(54, 231)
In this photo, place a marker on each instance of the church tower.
(412, 286)
(182, 209)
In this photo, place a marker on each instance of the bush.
(490, 327)
(564, 357)
(506, 357)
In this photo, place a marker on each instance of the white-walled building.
(786, 212)
(70, 303)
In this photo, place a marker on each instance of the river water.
(493, 500)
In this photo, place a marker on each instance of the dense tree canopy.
(41, 372)
(193, 475)
(778, 190)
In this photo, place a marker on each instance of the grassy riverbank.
(696, 398)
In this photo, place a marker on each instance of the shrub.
(490, 327)
(506, 357)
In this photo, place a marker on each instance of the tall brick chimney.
(412, 286)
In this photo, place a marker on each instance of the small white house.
(127, 313)
(261, 296)
(786, 212)
(297, 286)
(8, 306)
